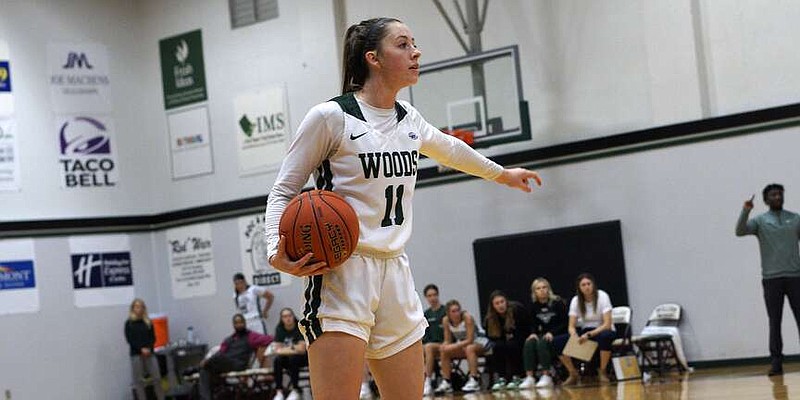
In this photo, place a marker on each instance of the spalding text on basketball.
(305, 233)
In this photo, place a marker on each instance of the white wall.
(65, 352)
(749, 44)
(28, 27)
(592, 69)
(297, 49)
(678, 207)
(589, 69)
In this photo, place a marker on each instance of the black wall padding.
(510, 263)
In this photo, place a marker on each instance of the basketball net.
(465, 135)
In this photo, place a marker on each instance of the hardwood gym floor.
(729, 383)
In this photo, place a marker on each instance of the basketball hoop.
(465, 135)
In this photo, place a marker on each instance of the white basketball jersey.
(370, 157)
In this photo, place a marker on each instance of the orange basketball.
(320, 222)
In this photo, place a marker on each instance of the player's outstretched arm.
(519, 178)
(281, 262)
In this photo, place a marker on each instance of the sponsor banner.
(9, 156)
(190, 143)
(6, 99)
(262, 129)
(79, 79)
(182, 70)
(102, 270)
(18, 291)
(5, 76)
(255, 265)
(191, 261)
(87, 157)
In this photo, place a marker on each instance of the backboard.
(479, 92)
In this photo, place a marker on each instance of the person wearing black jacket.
(549, 320)
(140, 336)
(507, 326)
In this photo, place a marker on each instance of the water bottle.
(190, 335)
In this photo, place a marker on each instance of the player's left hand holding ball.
(283, 263)
(518, 178)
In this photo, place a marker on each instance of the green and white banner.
(182, 70)
(262, 129)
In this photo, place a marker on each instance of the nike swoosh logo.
(352, 137)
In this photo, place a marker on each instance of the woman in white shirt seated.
(589, 319)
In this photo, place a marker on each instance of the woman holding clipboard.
(589, 319)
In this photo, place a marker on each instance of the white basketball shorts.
(371, 298)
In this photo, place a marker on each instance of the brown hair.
(360, 38)
(493, 327)
(581, 300)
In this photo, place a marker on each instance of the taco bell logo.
(77, 60)
(84, 136)
(86, 160)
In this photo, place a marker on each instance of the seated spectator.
(289, 349)
(589, 319)
(462, 339)
(507, 326)
(235, 354)
(549, 321)
(434, 335)
(141, 337)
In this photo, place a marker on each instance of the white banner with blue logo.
(253, 243)
(102, 270)
(18, 290)
(6, 98)
(262, 129)
(191, 261)
(190, 143)
(9, 156)
(79, 78)
(87, 156)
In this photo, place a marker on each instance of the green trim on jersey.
(350, 106)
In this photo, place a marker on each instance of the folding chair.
(621, 317)
(656, 352)
(254, 382)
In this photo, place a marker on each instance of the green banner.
(182, 70)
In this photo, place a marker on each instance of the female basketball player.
(364, 145)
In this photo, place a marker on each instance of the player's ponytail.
(360, 38)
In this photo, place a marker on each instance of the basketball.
(320, 222)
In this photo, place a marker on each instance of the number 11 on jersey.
(398, 206)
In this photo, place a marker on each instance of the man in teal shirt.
(778, 232)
